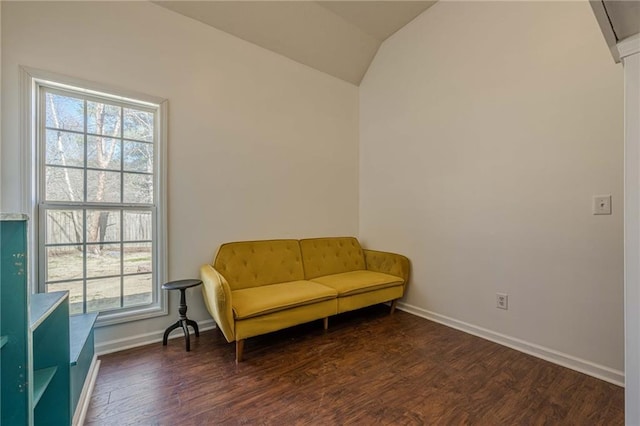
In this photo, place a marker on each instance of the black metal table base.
(183, 323)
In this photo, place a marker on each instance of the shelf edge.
(57, 298)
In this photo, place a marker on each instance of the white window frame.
(33, 169)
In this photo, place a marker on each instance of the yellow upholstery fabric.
(327, 256)
(357, 301)
(355, 282)
(251, 302)
(388, 263)
(282, 319)
(217, 299)
(256, 287)
(249, 264)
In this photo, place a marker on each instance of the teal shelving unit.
(34, 347)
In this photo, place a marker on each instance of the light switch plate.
(602, 204)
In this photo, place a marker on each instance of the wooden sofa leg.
(393, 306)
(326, 323)
(239, 350)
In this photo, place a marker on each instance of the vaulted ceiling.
(340, 38)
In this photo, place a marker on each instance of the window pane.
(103, 294)
(138, 188)
(64, 112)
(137, 258)
(138, 125)
(64, 263)
(98, 161)
(103, 260)
(103, 119)
(103, 225)
(64, 148)
(75, 294)
(103, 186)
(138, 290)
(103, 153)
(138, 156)
(137, 226)
(64, 184)
(64, 226)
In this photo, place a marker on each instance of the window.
(99, 194)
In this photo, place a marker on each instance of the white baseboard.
(583, 366)
(129, 342)
(87, 391)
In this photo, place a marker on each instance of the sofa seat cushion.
(256, 301)
(355, 282)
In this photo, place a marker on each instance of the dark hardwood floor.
(368, 368)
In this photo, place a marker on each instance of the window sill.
(122, 317)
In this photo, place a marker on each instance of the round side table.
(183, 321)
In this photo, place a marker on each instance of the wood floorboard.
(368, 368)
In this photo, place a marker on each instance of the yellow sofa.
(256, 287)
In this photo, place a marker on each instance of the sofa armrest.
(217, 299)
(388, 263)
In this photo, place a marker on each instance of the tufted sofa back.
(334, 255)
(254, 263)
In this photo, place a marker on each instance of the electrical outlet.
(602, 204)
(502, 301)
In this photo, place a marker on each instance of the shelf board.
(3, 340)
(80, 327)
(42, 304)
(41, 379)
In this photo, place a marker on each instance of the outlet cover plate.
(502, 301)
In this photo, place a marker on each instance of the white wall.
(486, 128)
(259, 146)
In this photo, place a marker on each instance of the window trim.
(31, 79)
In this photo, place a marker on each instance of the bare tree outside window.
(97, 199)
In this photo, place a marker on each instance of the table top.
(180, 284)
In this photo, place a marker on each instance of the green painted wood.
(3, 341)
(80, 329)
(35, 379)
(50, 338)
(41, 380)
(82, 351)
(42, 305)
(14, 364)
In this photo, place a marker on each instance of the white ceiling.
(337, 37)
